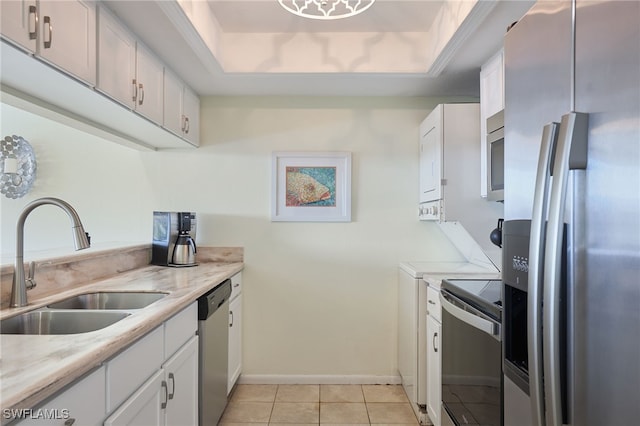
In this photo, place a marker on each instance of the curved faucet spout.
(80, 240)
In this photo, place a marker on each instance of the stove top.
(485, 295)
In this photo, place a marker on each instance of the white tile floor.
(255, 405)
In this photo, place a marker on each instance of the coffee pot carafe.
(184, 252)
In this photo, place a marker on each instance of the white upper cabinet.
(46, 42)
(63, 33)
(116, 59)
(191, 111)
(127, 70)
(491, 102)
(173, 89)
(431, 156)
(149, 84)
(18, 22)
(67, 36)
(181, 109)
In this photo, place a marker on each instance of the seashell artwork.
(311, 186)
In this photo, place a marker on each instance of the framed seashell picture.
(311, 187)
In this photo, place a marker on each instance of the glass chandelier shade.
(326, 9)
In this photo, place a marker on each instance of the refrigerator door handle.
(570, 153)
(536, 263)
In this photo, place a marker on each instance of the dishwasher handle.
(214, 299)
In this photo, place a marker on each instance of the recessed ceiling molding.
(202, 37)
(465, 29)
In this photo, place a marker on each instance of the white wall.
(320, 298)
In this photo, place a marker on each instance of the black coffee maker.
(174, 235)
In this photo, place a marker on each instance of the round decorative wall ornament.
(17, 166)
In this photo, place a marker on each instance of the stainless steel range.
(471, 352)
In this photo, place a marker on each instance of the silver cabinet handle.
(187, 125)
(435, 336)
(134, 90)
(536, 262)
(47, 22)
(184, 122)
(141, 87)
(163, 405)
(172, 378)
(570, 153)
(231, 317)
(33, 22)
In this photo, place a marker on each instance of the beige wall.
(103, 181)
(320, 298)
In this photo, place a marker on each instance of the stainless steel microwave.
(495, 157)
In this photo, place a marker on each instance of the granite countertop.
(34, 367)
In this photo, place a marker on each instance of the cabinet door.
(434, 370)
(191, 111)
(491, 102)
(145, 406)
(235, 341)
(431, 156)
(173, 88)
(149, 82)
(18, 22)
(83, 403)
(181, 375)
(116, 59)
(67, 36)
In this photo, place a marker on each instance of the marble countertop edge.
(35, 367)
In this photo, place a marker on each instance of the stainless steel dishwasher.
(213, 329)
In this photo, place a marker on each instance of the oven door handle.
(469, 315)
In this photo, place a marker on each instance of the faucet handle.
(31, 281)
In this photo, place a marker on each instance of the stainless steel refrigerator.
(572, 215)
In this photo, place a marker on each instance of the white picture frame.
(311, 187)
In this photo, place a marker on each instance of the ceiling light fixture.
(326, 9)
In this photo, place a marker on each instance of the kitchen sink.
(59, 322)
(109, 300)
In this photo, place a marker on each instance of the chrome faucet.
(80, 239)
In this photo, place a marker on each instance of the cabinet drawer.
(433, 304)
(133, 366)
(236, 285)
(180, 328)
(83, 401)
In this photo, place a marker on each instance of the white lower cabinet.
(434, 356)
(144, 406)
(434, 370)
(169, 354)
(235, 332)
(81, 404)
(181, 376)
(169, 397)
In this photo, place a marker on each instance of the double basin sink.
(79, 314)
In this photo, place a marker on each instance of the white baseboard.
(303, 379)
